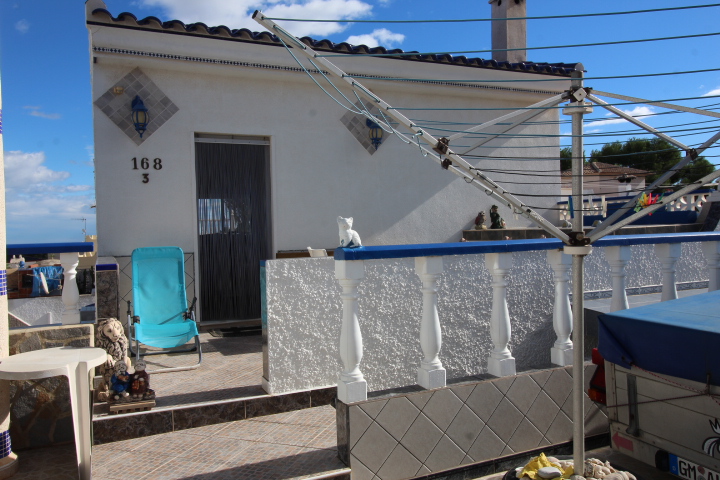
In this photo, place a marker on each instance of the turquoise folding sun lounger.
(161, 317)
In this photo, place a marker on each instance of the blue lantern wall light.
(376, 133)
(140, 116)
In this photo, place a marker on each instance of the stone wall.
(40, 412)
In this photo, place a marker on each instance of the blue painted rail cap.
(36, 248)
(653, 238)
(508, 246)
(442, 249)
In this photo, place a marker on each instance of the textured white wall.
(304, 312)
(32, 310)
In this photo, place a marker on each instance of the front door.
(233, 202)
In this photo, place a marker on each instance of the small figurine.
(349, 238)
(496, 220)
(480, 221)
(120, 381)
(139, 381)
(102, 392)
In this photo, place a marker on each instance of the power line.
(546, 17)
(548, 47)
(649, 102)
(529, 80)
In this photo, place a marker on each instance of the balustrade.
(668, 253)
(352, 387)
(562, 351)
(500, 362)
(711, 251)
(498, 256)
(618, 257)
(431, 373)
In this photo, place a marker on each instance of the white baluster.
(562, 351)
(500, 362)
(618, 257)
(711, 250)
(668, 253)
(431, 373)
(352, 387)
(70, 293)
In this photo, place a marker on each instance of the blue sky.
(47, 104)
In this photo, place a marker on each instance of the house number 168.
(145, 164)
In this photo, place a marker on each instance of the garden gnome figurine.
(120, 381)
(139, 381)
(480, 221)
(496, 220)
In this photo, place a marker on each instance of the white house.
(244, 156)
(607, 179)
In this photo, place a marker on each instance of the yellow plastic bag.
(539, 462)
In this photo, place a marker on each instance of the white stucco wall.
(304, 313)
(33, 311)
(318, 169)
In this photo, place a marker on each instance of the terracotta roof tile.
(101, 16)
(601, 168)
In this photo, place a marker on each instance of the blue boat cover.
(159, 297)
(678, 337)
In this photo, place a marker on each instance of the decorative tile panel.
(357, 125)
(3, 284)
(117, 106)
(5, 446)
(463, 424)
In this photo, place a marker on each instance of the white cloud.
(321, 10)
(379, 37)
(26, 171)
(712, 92)
(38, 206)
(22, 26)
(36, 112)
(237, 14)
(638, 111)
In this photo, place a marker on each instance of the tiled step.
(115, 428)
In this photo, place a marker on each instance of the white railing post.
(70, 293)
(431, 373)
(668, 253)
(352, 387)
(562, 351)
(500, 362)
(711, 250)
(618, 257)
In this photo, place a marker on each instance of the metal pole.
(8, 459)
(578, 248)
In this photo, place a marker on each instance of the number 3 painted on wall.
(146, 177)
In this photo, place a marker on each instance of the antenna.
(84, 230)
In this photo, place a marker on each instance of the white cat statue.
(349, 238)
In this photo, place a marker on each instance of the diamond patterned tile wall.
(117, 106)
(430, 431)
(356, 125)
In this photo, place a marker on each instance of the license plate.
(691, 471)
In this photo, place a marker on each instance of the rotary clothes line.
(577, 243)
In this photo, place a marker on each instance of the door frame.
(200, 137)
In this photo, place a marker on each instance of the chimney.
(509, 34)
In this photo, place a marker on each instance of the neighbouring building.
(606, 179)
